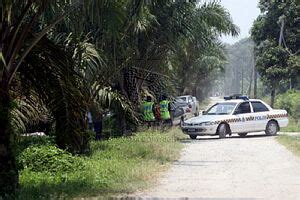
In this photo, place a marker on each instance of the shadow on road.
(200, 163)
(214, 138)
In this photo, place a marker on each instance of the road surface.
(255, 167)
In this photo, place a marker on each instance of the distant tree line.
(238, 77)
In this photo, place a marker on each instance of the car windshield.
(221, 109)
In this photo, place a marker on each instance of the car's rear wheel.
(222, 130)
(242, 134)
(193, 137)
(271, 128)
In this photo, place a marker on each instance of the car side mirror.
(204, 112)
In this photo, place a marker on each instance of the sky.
(243, 13)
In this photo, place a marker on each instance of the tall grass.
(293, 126)
(118, 165)
(291, 142)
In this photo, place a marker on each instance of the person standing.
(90, 121)
(165, 108)
(148, 111)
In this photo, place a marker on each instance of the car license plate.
(191, 130)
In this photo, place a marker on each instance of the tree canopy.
(277, 36)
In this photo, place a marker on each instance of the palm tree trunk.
(272, 97)
(255, 84)
(251, 79)
(8, 170)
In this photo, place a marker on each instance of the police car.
(236, 114)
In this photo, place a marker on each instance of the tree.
(196, 61)
(277, 26)
(18, 37)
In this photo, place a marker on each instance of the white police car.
(236, 114)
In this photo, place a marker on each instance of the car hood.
(205, 118)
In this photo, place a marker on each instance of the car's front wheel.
(222, 131)
(242, 134)
(272, 128)
(193, 137)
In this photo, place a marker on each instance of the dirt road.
(255, 167)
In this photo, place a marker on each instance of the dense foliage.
(277, 37)
(48, 158)
(290, 102)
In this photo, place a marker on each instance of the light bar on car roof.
(243, 97)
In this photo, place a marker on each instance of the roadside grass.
(115, 166)
(290, 142)
(293, 126)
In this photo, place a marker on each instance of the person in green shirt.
(148, 111)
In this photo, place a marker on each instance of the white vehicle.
(189, 103)
(236, 114)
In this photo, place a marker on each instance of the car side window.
(259, 107)
(243, 108)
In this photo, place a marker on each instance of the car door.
(260, 112)
(242, 114)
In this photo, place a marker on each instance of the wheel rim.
(272, 128)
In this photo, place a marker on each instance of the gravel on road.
(254, 167)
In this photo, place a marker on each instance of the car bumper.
(203, 130)
(283, 122)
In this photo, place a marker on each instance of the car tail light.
(188, 110)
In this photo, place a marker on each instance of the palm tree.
(20, 32)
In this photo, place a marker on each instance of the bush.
(27, 141)
(48, 158)
(290, 101)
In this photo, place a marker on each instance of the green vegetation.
(276, 35)
(290, 102)
(291, 142)
(48, 158)
(117, 165)
(293, 126)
